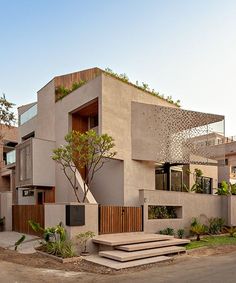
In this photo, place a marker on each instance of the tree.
(7, 116)
(87, 151)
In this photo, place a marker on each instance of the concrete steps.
(127, 256)
(128, 238)
(152, 245)
(117, 265)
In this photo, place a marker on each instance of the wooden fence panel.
(21, 214)
(119, 219)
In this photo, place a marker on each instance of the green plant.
(196, 187)
(143, 86)
(233, 189)
(198, 230)
(83, 239)
(224, 189)
(180, 233)
(167, 231)
(161, 212)
(87, 151)
(215, 225)
(59, 248)
(62, 91)
(19, 242)
(231, 230)
(51, 233)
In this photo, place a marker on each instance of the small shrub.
(215, 225)
(198, 230)
(224, 189)
(161, 212)
(180, 233)
(59, 248)
(168, 231)
(83, 239)
(231, 230)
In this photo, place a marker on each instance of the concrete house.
(157, 144)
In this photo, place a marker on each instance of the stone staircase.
(133, 249)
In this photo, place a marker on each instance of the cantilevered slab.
(173, 135)
(127, 256)
(121, 265)
(152, 245)
(128, 238)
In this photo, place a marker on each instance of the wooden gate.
(119, 219)
(21, 214)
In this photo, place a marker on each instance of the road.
(217, 269)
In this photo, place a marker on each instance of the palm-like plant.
(198, 229)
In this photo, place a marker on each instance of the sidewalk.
(8, 239)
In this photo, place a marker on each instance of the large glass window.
(205, 184)
(29, 114)
(161, 179)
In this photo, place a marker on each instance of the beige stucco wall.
(116, 121)
(56, 213)
(193, 205)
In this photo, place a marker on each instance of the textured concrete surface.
(8, 239)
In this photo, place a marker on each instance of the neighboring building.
(7, 157)
(152, 137)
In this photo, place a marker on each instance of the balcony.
(34, 165)
(28, 115)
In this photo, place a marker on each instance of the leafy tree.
(7, 116)
(87, 151)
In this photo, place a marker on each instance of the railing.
(11, 157)
(29, 114)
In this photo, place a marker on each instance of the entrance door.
(120, 219)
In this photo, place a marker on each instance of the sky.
(182, 48)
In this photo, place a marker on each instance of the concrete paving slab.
(128, 238)
(121, 265)
(151, 245)
(8, 239)
(126, 256)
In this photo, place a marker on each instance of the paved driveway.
(207, 269)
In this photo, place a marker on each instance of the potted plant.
(83, 239)
(2, 224)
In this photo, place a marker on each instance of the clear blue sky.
(186, 49)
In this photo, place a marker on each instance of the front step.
(152, 245)
(126, 256)
(120, 265)
(129, 238)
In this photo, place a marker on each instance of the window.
(93, 121)
(161, 180)
(176, 180)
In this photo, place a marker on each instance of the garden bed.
(60, 259)
(211, 241)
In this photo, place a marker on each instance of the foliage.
(62, 91)
(215, 225)
(212, 241)
(198, 229)
(19, 242)
(161, 212)
(224, 189)
(83, 150)
(196, 187)
(180, 233)
(167, 231)
(143, 86)
(7, 116)
(84, 237)
(231, 230)
(59, 248)
(51, 233)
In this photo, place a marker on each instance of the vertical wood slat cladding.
(21, 214)
(69, 79)
(120, 219)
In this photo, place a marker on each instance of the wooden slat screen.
(21, 214)
(119, 219)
